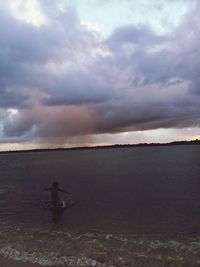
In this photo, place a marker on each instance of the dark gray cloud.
(55, 59)
(66, 80)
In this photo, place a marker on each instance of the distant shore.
(175, 143)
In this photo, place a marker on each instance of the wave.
(49, 259)
(59, 247)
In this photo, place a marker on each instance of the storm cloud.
(63, 79)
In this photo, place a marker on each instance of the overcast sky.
(98, 72)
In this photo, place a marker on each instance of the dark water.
(133, 207)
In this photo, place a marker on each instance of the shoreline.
(116, 146)
(5, 262)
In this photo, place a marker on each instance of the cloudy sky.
(93, 72)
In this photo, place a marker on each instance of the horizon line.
(183, 142)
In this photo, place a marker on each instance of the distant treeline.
(175, 143)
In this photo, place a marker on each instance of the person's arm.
(47, 189)
(63, 191)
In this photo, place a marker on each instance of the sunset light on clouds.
(95, 72)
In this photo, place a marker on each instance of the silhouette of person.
(57, 205)
(55, 200)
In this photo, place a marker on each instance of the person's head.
(55, 184)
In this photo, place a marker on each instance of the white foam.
(90, 249)
(50, 259)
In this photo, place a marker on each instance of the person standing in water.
(54, 194)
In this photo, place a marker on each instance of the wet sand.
(11, 263)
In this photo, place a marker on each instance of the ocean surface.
(132, 207)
